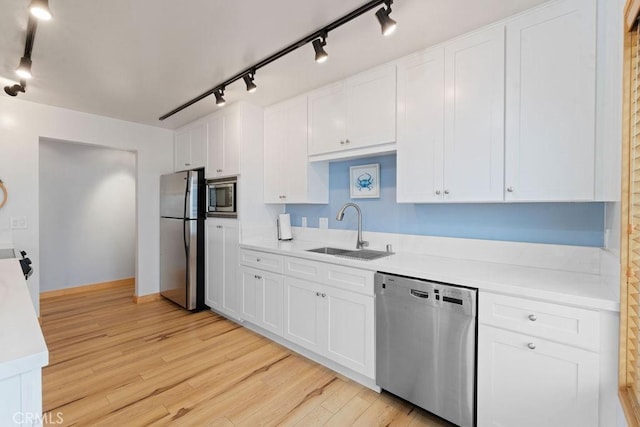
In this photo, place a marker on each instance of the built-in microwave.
(221, 197)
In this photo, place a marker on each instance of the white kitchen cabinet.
(288, 175)
(225, 139)
(353, 114)
(222, 290)
(529, 381)
(190, 147)
(451, 121)
(334, 323)
(262, 299)
(420, 157)
(550, 103)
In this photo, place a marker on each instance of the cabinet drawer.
(568, 325)
(261, 260)
(351, 279)
(304, 269)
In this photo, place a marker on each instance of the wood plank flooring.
(115, 363)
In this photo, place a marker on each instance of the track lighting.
(317, 38)
(40, 9)
(248, 80)
(24, 69)
(220, 101)
(13, 90)
(387, 24)
(318, 46)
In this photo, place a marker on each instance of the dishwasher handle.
(419, 294)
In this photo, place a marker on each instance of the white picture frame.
(364, 181)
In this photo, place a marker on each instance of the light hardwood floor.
(116, 363)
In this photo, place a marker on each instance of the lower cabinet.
(336, 324)
(262, 298)
(221, 271)
(527, 380)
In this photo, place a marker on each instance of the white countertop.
(583, 290)
(22, 346)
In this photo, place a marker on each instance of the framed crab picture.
(365, 181)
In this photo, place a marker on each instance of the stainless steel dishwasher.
(426, 345)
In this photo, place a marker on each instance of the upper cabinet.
(354, 115)
(451, 121)
(550, 103)
(190, 147)
(288, 176)
(225, 139)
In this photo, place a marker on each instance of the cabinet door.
(420, 142)
(250, 284)
(272, 313)
(550, 120)
(274, 155)
(327, 127)
(304, 314)
(231, 289)
(215, 150)
(297, 173)
(198, 146)
(182, 150)
(350, 330)
(214, 269)
(549, 385)
(474, 117)
(232, 141)
(371, 108)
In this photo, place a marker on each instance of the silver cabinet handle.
(531, 346)
(438, 192)
(255, 276)
(510, 189)
(347, 141)
(324, 295)
(533, 317)
(187, 164)
(317, 294)
(342, 142)
(446, 191)
(218, 226)
(218, 170)
(259, 277)
(258, 260)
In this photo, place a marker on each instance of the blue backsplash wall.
(559, 223)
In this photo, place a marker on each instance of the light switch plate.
(18, 222)
(304, 221)
(324, 223)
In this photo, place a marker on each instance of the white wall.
(22, 124)
(88, 214)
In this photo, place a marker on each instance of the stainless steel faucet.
(361, 243)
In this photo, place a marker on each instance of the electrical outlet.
(18, 222)
(304, 221)
(324, 223)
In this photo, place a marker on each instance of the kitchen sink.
(329, 251)
(362, 255)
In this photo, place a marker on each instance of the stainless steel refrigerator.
(182, 238)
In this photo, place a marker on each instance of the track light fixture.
(220, 101)
(40, 9)
(24, 69)
(318, 39)
(13, 90)
(387, 24)
(248, 80)
(318, 46)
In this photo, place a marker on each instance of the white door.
(232, 141)
(327, 115)
(420, 145)
(182, 150)
(215, 150)
(474, 117)
(548, 384)
(250, 284)
(231, 290)
(275, 156)
(295, 169)
(304, 314)
(272, 312)
(350, 330)
(214, 273)
(550, 120)
(199, 146)
(371, 108)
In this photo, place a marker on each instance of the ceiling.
(138, 59)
